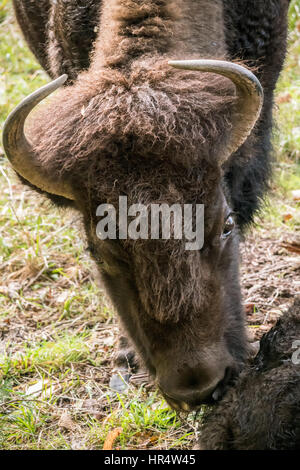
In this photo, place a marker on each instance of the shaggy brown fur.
(158, 28)
(70, 42)
(113, 120)
(254, 31)
(147, 114)
(35, 31)
(262, 411)
(134, 139)
(133, 126)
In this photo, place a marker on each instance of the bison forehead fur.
(149, 114)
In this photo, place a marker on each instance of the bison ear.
(250, 97)
(19, 150)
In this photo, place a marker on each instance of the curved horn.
(249, 91)
(19, 150)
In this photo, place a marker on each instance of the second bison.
(262, 412)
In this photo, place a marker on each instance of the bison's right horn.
(20, 151)
(250, 96)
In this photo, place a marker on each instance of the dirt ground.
(270, 276)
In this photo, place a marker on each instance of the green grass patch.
(288, 94)
(51, 356)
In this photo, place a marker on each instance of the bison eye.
(228, 227)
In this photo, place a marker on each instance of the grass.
(288, 94)
(59, 331)
(280, 203)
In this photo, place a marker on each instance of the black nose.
(194, 387)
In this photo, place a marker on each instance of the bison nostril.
(193, 382)
(191, 379)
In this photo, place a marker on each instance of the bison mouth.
(196, 399)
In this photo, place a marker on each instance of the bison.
(160, 106)
(262, 411)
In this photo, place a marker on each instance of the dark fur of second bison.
(262, 411)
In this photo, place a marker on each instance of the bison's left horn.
(250, 96)
(20, 151)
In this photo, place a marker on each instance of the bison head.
(156, 135)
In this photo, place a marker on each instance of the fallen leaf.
(296, 195)
(287, 217)
(292, 247)
(119, 382)
(39, 388)
(111, 437)
(66, 422)
(284, 97)
(249, 308)
(61, 298)
(108, 341)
